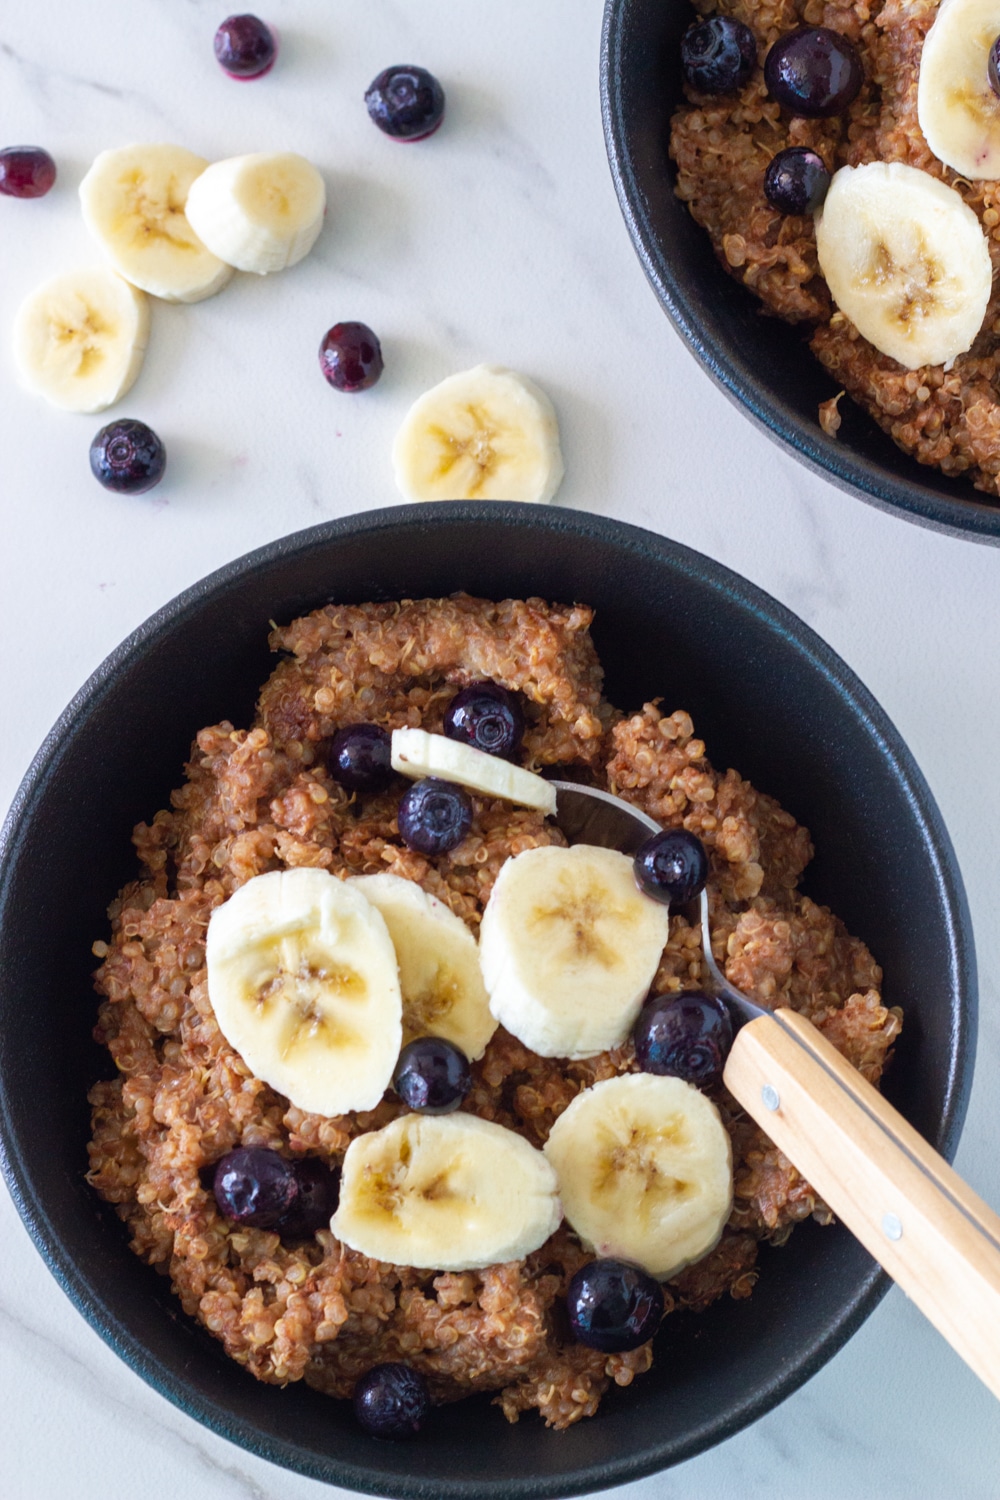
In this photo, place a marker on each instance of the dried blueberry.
(432, 1075)
(406, 102)
(350, 357)
(814, 71)
(434, 816)
(487, 717)
(391, 1401)
(26, 171)
(718, 55)
(127, 457)
(613, 1306)
(245, 47)
(684, 1036)
(255, 1186)
(359, 757)
(672, 866)
(796, 181)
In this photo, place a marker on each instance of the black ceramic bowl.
(769, 697)
(761, 363)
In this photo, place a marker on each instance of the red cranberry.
(350, 357)
(26, 171)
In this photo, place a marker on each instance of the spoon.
(910, 1210)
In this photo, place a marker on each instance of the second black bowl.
(763, 364)
(769, 698)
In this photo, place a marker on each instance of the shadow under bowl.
(763, 364)
(769, 698)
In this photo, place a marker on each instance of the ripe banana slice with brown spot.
(957, 109)
(485, 434)
(303, 980)
(134, 202)
(906, 260)
(569, 947)
(644, 1166)
(445, 1193)
(438, 957)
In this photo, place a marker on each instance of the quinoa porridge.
(946, 415)
(262, 799)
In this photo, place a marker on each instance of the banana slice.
(79, 339)
(416, 753)
(133, 203)
(445, 1193)
(486, 434)
(569, 947)
(645, 1170)
(439, 974)
(302, 978)
(260, 213)
(907, 261)
(957, 109)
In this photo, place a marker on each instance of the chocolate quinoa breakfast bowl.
(294, 1304)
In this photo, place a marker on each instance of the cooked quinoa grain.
(261, 799)
(949, 419)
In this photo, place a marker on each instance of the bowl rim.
(858, 475)
(960, 950)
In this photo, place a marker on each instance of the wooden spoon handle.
(916, 1216)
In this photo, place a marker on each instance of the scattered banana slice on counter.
(79, 339)
(303, 980)
(416, 753)
(957, 109)
(261, 212)
(133, 202)
(907, 261)
(485, 434)
(569, 947)
(644, 1166)
(445, 1193)
(438, 957)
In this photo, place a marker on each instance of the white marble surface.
(498, 240)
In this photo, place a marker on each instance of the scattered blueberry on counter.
(487, 717)
(686, 1036)
(718, 55)
(405, 102)
(359, 758)
(245, 47)
(350, 357)
(391, 1401)
(26, 171)
(127, 457)
(432, 1075)
(814, 71)
(796, 181)
(434, 816)
(672, 866)
(613, 1305)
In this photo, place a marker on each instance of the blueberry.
(317, 1193)
(613, 1305)
(434, 816)
(245, 47)
(814, 71)
(407, 103)
(391, 1401)
(350, 357)
(993, 67)
(254, 1185)
(796, 181)
(718, 55)
(359, 758)
(432, 1075)
(672, 866)
(487, 717)
(684, 1036)
(26, 171)
(127, 457)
